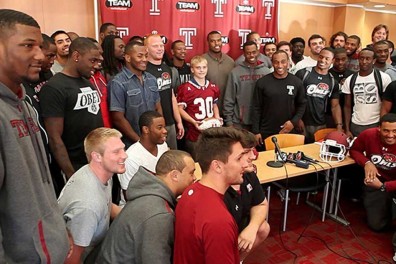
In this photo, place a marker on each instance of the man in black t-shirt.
(163, 73)
(278, 101)
(320, 86)
(70, 106)
(178, 50)
(340, 73)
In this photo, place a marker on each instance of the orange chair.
(284, 141)
(321, 133)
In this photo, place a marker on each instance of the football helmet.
(334, 147)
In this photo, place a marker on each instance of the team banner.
(191, 21)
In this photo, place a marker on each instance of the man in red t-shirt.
(205, 232)
(375, 150)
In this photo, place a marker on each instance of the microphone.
(306, 158)
(294, 158)
(278, 156)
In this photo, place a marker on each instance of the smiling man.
(275, 91)
(62, 42)
(85, 201)
(315, 43)
(205, 232)
(31, 227)
(375, 150)
(70, 106)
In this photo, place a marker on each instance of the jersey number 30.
(205, 107)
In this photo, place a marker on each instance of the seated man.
(85, 201)
(144, 232)
(147, 150)
(375, 150)
(248, 205)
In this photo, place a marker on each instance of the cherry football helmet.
(334, 147)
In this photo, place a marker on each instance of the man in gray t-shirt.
(85, 201)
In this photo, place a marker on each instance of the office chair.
(308, 183)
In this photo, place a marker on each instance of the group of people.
(81, 117)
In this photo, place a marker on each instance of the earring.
(76, 60)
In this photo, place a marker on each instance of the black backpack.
(308, 71)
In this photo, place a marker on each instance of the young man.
(315, 43)
(197, 100)
(205, 232)
(321, 88)
(351, 46)
(298, 47)
(287, 47)
(248, 205)
(269, 49)
(389, 99)
(255, 37)
(133, 91)
(107, 29)
(240, 87)
(338, 40)
(178, 50)
(219, 64)
(364, 95)
(381, 50)
(279, 90)
(31, 227)
(85, 201)
(166, 88)
(62, 42)
(146, 152)
(70, 106)
(144, 230)
(375, 150)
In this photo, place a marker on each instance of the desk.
(267, 174)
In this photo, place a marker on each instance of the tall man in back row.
(31, 226)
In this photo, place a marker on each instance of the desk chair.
(308, 183)
(321, 133)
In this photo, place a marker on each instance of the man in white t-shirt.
(364, 97)
(315, 43)
(147, 150)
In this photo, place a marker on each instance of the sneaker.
(282, 194)
(394, 257)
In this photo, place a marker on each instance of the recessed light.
(379, 6)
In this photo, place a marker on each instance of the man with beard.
(163, 74)
(62, 42)
(133, 91)
(275, 91)
(107, 29)
(315, 43)
(219, 64)
(31, 226)
(70, 106)
(178, 50)
(381, 50)
(364, 95)
(240, 87)
(321, 89)
(298, 46)
(338, 40)
(351, 46)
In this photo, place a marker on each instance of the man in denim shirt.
(132, 92)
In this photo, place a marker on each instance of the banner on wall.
(191, 21)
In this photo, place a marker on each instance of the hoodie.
(32, 229)
(239, 92)
(144, 230)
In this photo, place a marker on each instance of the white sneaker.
(394, 257)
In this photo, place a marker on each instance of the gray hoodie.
(239, 92)
(144, 230)
(32, 229)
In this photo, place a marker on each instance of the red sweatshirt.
(368, 147)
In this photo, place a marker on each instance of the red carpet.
(366, 247)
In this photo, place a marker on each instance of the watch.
(383, 188)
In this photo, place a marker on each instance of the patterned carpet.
(321, 238)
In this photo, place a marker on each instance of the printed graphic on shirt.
(290, 88)
(164, 82)
(365, 93)
(320, 90)
(88, 99)
(385, 161)
(22, 127)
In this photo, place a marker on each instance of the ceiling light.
(379, 6)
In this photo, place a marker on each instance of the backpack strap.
(308, 71)
(378, 82)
